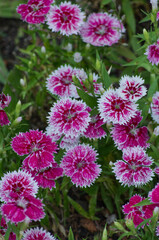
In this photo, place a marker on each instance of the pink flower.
(60, 82)
(101, 29)
(69, 142)
(37, 234)
(154, 194)
(129, 135)
(137, 214)
(34, 11)
(155, 107)
(157, 230)
(131, 89)
(45, 178)
(67, 18)
(24, 208)
(94, 129)
(4, 100)
(17, 184)
(69, 117)
(3, 118)
(157, 16)
(37, 146)
(134, 169)
(113, 108)
(152, 53)
(3, 226)
(79, 164)
(156, 170)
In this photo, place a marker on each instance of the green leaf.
(104, 235)
(104, 2)
(93, 202)
(143, 203)
(89, 100)
(125, 235)
(78, 208)
(106, 199)
(70, 235)
(105, 77)
(153, 85)
(130, 18)
(3, 71)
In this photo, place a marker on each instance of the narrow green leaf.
(104, 235)
(143, 203)
(106, 199)
(105, 77)
(130, 18)
(78, 208)
(125, 235)
(104, 2)
(3, 71)
(93, 202)
(153, 85)
(70, 235)
(89, 100)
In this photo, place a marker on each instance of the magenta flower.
(152, 53)
(4, 226)
(3, 118)
(37, 234)
(79, 164)
(101, 29)
(60, 81)
(157, 230)
(157, 16)
(17, 184)
(113, 108)
(38, 146)
(34, 11)
(69, 117)
(67, 18)
(131, 89)
(134, 169)
(4, 100)
(69, 142)
(137, 214)
(155, 107)
(154, 194)
(45, 178)
(128, 135)
(94, 129)
(24, 208)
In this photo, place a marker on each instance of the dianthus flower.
(156, 131)
(113, 108)
(17, 184)
(69, 117)
(79, 164)
(128, 135)
(45, 178)
(34, 11)
(154, 194)
(24, 208)
(37, 145)
(101, 29)
(137, 214)
(157, 16)
(3, 118)
(3, 226)
(131, 89)
(134, 169)
(37, 234)
(66, 18)
(4, 100)
(155, 107)
(94, 129)
(152, 53)
(69, 142)
(60, 82)
(157, 230)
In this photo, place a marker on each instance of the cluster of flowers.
(101, 29)
(140, 213)
(4, 102)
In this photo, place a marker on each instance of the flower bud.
(119, 226)
(130, 225)
(146, 35)
(98, 65)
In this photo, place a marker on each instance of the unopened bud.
(146, 35)
(43, 49)
(22, 82)
(17, 121)
(130, 225)
(18, 108)
(119, 226)
(98, 65)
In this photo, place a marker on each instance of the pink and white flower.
(3, 229)
(154, 194)
(66, 18)
(37, 234)
(155, 107)
(152, 53)
(102, 29)
(128, 135)
(38, 146)
(17, 184)
(137, 214)
(69, 142)
(113, 108)
(60, 81)
(69, 117)
(34, 11)
(45, 178)
(3, 118)
(131, 89)
(157, 230)
(4, 100)
(23, 209)
(134, 169)
(79, 164)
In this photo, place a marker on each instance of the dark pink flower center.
(81, 164)
(66, 80)
(17, 187)
(65, 17)
(70, 115)
(101, 30)
(118, 105)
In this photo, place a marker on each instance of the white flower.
(77, 57)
